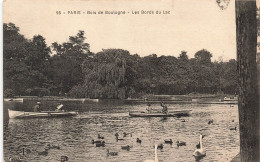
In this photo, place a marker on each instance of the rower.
(165, 108)
(37, 107)
(149, 109)
(59, 107)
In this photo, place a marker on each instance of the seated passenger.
(60, 107)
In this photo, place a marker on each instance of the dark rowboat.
(159, 114)
(43, 114)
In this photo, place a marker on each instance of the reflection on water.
(26, 138)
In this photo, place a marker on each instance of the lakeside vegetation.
(33, 68)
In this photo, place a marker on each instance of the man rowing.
(164, 108)
(37, 107)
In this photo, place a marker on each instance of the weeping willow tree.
(107, 73)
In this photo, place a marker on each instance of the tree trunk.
(248, 104)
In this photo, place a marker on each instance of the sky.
(192, 25)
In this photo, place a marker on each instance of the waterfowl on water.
(102, 144)
(53, 146)
(155, 156)
(168, 141)
(15, 159)
(181, 143)
(138, 140)
(199, 152)
(233, 128)
(160, 146)
(126, 134)
(100, 137)
(210, 122)
(119, 139)
(64, 158)
(126, 147)
(93, 141)
(45, 152)
(28, 151)
(112, 153)
(183, 120)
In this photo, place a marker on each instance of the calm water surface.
(74, 134)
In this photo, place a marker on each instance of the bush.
(9, 93)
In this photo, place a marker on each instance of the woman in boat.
(37, 107)
(149, 109)
(60, 107)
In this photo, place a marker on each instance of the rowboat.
(43, 114)
(13, 99)
(160, 114)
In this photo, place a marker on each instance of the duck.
(210, 122)
(181, 143)
(93, 141)
(199, 152)
(116, 134)
(160, 146)
(53, 146)
(102, 144)
(126, 134)
(168, 141)
(111, 153)
(183, 120)
(155, 156)
(15, 159)
(126, 147)
(100, 137)
(119, 139)
(233, 128)
(138, 140)
(64, 158)
(45, 152)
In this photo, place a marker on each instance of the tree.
(65, 68)
(203, 56)
(24, 60)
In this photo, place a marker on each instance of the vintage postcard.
(120, 80)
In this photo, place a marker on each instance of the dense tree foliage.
(33, 68)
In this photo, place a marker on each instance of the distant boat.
(159, 114)
(230, 99)
(43, 114)
(90, 99)
(13, 99)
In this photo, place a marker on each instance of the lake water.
(74, 134)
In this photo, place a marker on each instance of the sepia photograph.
(131, 80)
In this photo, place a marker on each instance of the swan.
(199, 152)
(155, 156)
